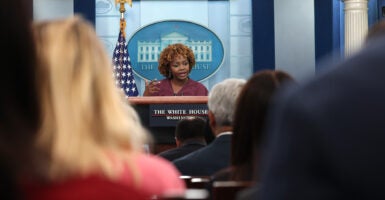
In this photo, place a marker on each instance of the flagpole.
(122, 10)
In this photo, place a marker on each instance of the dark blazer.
(327, 137)
(207, 160)
(181, 151)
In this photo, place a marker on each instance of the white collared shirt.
(224, 133)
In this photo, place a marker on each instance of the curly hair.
(170, 53)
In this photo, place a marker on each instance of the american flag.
(123, 73)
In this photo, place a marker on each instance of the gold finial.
(122, 2)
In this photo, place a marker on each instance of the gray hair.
(222, 100)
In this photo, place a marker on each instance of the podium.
(160, 114)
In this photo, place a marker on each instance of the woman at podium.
(175, 64)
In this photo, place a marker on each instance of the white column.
(356, 24)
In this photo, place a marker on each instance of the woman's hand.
(151, 87)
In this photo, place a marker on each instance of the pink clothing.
(157, 176)
(191, 88)
(92, 187)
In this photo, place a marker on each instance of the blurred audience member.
(189, 136)
(88, 128)
(209, 135)
(249, 122)
(326, 138)
(19, 107)
(216, 155)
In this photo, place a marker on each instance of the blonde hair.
(87, 123)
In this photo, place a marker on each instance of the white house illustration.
(148, 51)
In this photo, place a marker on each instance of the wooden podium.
(161, 113)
